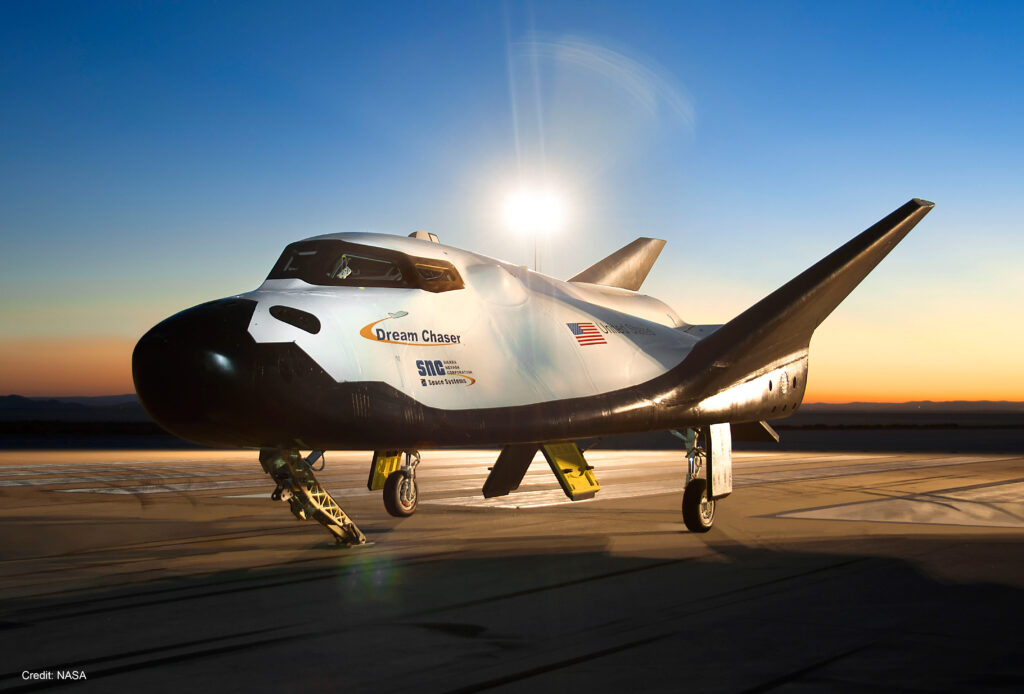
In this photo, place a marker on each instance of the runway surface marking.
(993, 506)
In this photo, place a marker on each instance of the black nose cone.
(195, 372)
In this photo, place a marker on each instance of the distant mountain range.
(918, 406)
(966, 414)
(107, 408)
(126, 408)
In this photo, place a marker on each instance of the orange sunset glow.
(59, 367)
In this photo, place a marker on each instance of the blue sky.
(155, 155)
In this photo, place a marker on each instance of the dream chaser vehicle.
(397, 344)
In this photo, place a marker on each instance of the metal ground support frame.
(574, 474)
(306, 498)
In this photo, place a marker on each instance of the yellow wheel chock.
(574, 474)
(384, 463)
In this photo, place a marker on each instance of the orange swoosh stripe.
(367, 332)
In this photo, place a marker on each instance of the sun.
(534, 211)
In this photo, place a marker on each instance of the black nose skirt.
(195, 372)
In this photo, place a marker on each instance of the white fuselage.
(388, 342)
(506, 339)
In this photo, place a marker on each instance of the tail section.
(781, 324)
(626, 268)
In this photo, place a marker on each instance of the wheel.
(400, 492)
(698, 509)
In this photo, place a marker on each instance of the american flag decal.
(586, 333)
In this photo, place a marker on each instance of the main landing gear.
(698, 509)
(394, 472)
(400, 488)
(708, 475)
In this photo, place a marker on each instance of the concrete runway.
(173, 571)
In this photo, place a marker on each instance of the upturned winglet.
(782, 323)
(626, 268)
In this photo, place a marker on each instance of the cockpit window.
(292, 263)
(437, 276)
(353, 269)
(434, 274)
(339, 263)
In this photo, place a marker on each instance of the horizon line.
(808, 402)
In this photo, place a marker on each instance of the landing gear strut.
(297, 485)
(400, 490)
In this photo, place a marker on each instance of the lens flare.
(534, 211)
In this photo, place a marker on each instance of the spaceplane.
(397, 344)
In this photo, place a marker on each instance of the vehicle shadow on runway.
(855, 613)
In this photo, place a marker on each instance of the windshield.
(340, 263)
(357, 268)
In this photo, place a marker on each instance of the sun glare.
(534, 211)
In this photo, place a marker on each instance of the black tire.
(400, 494)
(698, 509)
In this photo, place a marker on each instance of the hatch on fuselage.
(424, 236)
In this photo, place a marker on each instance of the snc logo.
(426, 367)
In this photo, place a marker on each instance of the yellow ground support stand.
(384, 463)
(573, 473)
(297, 485)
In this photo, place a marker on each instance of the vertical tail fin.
(626, 268)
